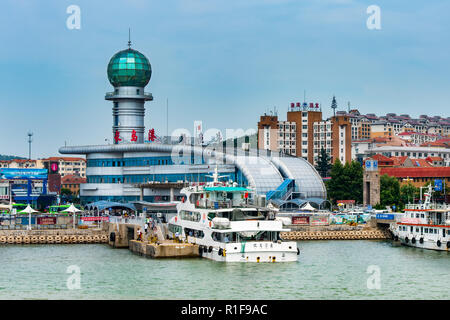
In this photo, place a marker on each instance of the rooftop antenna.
(129, 38)
(30, 139)
(348, 107)
(167, 119)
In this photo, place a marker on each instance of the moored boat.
(424, 225)
(222, 219)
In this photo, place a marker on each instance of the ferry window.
(417, 229)
(426, 230)
(174, 228)
(411, 228)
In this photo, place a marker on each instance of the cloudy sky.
(224, 62)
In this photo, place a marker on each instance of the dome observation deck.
(129, 68)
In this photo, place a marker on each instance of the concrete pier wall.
(324, 234)
(123, 233)
(53, 236)
(166, 249)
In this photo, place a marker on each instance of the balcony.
(147, 96)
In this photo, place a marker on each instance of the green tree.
(66, 192)
(346, 182)
(335, 192)
(323, 163)
(355, 186)
(408, 192)
(389, 191)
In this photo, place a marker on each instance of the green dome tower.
(129, 68)
(129, 71)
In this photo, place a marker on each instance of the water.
(325, 270)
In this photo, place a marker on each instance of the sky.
(224, 62)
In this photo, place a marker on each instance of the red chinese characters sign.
(94, 218)
(151, 135)
(46, 220)
(133, 135)
(300, 220)
(117, 136)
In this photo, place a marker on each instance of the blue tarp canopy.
(103, 204)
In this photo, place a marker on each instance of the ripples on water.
(325, 270)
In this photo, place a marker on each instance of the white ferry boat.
(227, 227)
(424, 225)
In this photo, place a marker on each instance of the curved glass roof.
(307, 179)
(129, 68)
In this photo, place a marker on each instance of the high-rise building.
(305, 133)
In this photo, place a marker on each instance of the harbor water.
(324, 270)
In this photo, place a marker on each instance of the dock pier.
(166, 249)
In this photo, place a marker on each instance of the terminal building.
(137, 167)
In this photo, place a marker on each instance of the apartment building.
(305, 133)
(20, 164)
(65, 166)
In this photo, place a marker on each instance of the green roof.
(129, 68)
(227, 189)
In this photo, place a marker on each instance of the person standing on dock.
(146, 227)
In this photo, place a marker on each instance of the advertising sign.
(319, 221)
(94, 218)
(437, 185)
(10, 173)
(300, 220)
(24, 221)
(384, 216)
(46, 220)
(371, 165)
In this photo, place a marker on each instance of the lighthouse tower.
(129, 71)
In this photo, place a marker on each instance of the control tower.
(129, 71)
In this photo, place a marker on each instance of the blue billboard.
(437, 185)
(384, 216)
(11, 173)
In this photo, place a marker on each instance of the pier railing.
(128, 220)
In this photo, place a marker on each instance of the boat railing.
(418, 206)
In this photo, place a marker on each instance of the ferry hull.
(255, 252)
(263, 257)
(427, 244)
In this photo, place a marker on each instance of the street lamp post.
(408, 180)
